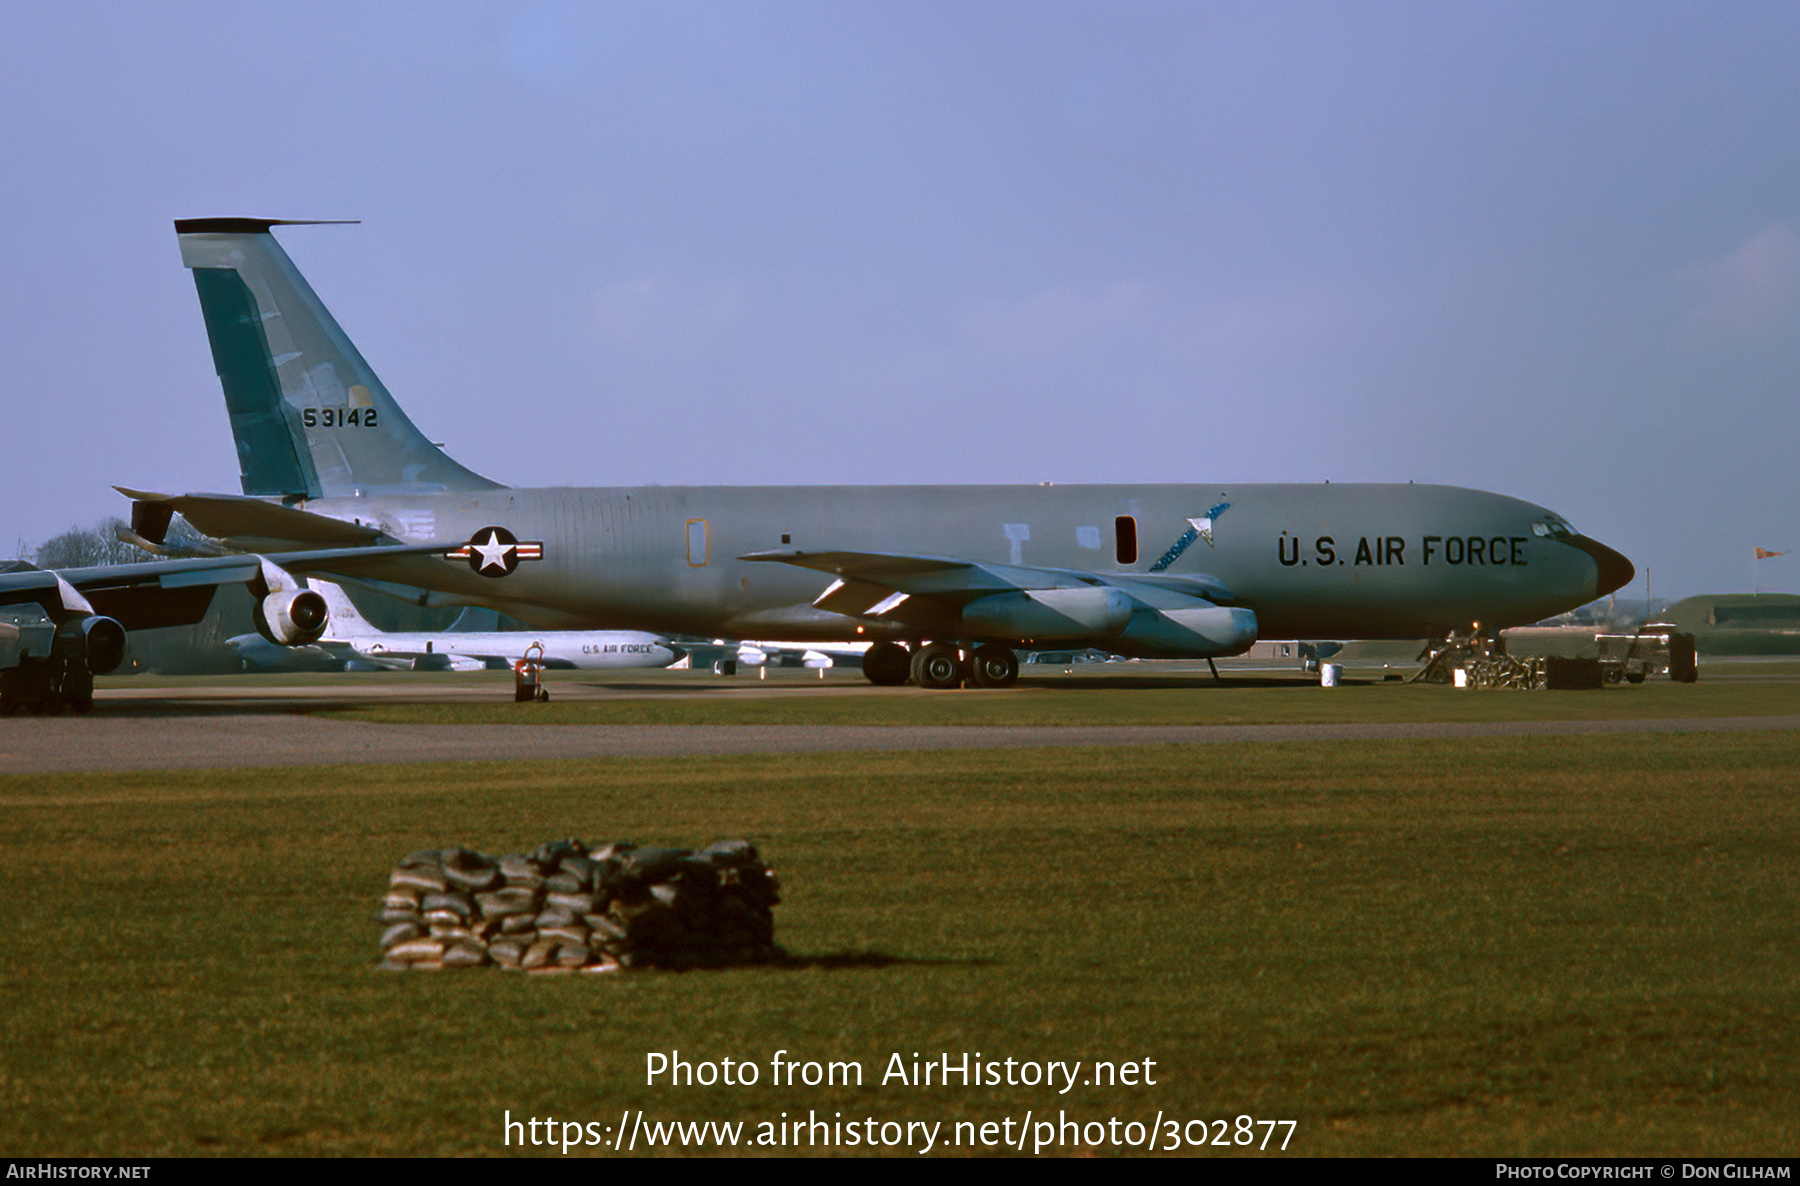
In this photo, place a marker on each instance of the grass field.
(1560, 946)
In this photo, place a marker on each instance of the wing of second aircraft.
(175, 592)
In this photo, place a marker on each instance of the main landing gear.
(887, 664)
(994, 667)
(940, 665)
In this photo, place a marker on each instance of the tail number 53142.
(338, 417)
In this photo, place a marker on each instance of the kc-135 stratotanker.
(944, 581)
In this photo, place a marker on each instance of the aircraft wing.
(324, 654)
(881, 584)
(921, 574)
(372, 650)
(1155, 616)
(92, 611)
(173, 592)
(355, 560)
(139, 596)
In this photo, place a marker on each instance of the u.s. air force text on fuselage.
(1384, 551)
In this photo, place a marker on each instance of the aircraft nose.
(1615, 571)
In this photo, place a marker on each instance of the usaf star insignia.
(496, 552)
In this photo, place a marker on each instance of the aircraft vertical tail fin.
(309, 416)
(475, 619)
(346, 620)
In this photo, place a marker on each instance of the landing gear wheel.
(887, 664)
(995, 667)
(938, 665)
(83, 706)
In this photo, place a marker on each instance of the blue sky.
(1550, 250)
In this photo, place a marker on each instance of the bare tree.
(84, 547)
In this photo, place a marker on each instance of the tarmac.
(227, 726)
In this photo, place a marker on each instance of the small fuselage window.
(1125, 533)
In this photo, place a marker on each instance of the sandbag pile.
(563, 908)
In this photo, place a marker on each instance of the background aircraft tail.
(309, 416)
(346, 620)
(475, 619)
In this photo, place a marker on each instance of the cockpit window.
(1554, 526)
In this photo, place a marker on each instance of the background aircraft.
(944, 581)
(767, 653)
(352, 642)
(59, 629)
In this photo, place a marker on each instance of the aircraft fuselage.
(1312, 561)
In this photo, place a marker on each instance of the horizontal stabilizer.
(126, 535)
(251, 226)
(252, 524)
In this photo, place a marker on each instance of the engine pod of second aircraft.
(1052, 614)
(1205, 630)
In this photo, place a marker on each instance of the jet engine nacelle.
(1049, 614)
(1205, 632)
(95, 641)
(292, 617)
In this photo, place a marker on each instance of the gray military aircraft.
(944, 581)
(352, 642)
(61, 628)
